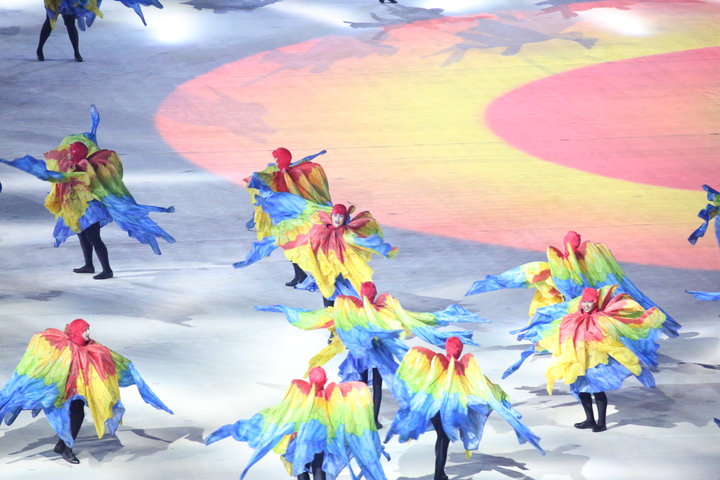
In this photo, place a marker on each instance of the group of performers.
(595, 326)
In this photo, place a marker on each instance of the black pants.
(77, 415)
(315, 467)
(441, 448)
(376, 391)
(90, 240)
(71, 29)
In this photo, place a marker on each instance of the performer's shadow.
(226, 6)
(513, 465)
(151, 441)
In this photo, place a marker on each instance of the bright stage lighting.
(320, 13)
(170, 27)
(460, 7)
(626, 23)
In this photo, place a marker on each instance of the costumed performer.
(453, 395)
(706, 214)
(84, 12)
(61, 373)
(303, 178)
(567, 273)
(597, 340)
(333, 249)
(88, 193)
(316, 428)
(372, 330)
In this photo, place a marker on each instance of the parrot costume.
(332, 254)
(708, 213)
(62, 368)
(595, 349)
(304, 179)
(567, 273)
(88, 189)
(316, 427)
(452, 393)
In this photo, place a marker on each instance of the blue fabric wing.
(712, 296)
(35, 167)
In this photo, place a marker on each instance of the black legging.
(77, 415)
(315, 467)
(441, 448)
(89, 240)
(72, 33)
(600, 400)
(376, 390)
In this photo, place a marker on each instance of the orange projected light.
(459, 126)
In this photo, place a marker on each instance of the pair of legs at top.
(72, 33)
(90, 240)
(601, 401)
(77, 414)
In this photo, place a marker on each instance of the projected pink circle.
(612, 119)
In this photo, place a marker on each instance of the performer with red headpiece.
(60, 373)
(451, 393)
(303, 178)
(597, 340)
(317, 428)
(372, 330)
(567, 273)
(88, 193)
(325, 242)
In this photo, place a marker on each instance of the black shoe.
(295, 281)
(599, 428)
(331, 338)
(40, 55)
(103, 275)
(84, 269)
(59, 447)
(586, 424)
(70, 456)
(78, 58)
(378, 425)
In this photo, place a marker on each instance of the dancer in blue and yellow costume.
(304, 178)
(317, 428)
(567, 273)
(372, 331)
(707, 214)
(88, 193)
(451, 393)
(597, 340)
(84, 11)
(61, 373)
